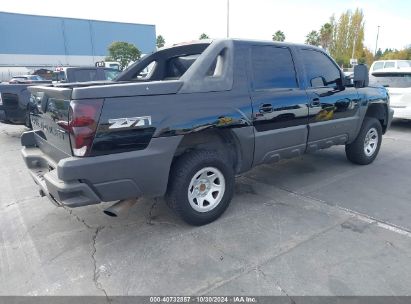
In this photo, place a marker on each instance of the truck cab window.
(147, 71)
(218, 65)
(321, 71)
(272, 68)
(177, 66)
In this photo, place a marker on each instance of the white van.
(389, 64)
(396, 77)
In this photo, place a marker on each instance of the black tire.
(356, 152)
(27, 121)
(183, 171)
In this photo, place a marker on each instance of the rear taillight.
(82, 126)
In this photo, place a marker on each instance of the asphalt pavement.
(315, 225)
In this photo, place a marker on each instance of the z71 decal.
(143, 121)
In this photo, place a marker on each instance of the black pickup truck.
(203, 113)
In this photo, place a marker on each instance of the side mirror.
(341, 83)
(318, 82)
(361, 78)
(348, 80)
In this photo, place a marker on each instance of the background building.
(30, 42)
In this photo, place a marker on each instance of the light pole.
(228, 18)
(376, 41)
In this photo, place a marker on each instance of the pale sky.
(185, 20)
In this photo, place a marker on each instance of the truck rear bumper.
(75, 182)
(71, 194)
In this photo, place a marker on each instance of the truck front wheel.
(364, 149)
(200, 187)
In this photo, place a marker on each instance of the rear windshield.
(85, 75)
(394, 80)
(167, 64)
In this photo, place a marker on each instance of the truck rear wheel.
(364, 149)
(201, 186)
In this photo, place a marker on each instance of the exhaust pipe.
(120, 207)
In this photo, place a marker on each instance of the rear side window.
(389, 65)
(321, 70)
(378, 66)
(404, 64)
(272, 68)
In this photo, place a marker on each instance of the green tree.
(160, 42)
(203, 36)
(390, 54)
(326, 34)
(279, 36)
(348, 36)
(313, 38)
(366, 57)
(123, 52)
(378, 54)
(343, 39)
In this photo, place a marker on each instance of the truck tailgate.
(49, 116)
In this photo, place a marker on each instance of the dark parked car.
(84, 74)
(203, 113)
(16, 104)
(26, 79)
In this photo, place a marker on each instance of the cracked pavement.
(316, 225)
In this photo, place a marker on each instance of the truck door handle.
(266, 108)
(315, 101)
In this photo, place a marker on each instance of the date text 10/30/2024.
(203, 299)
